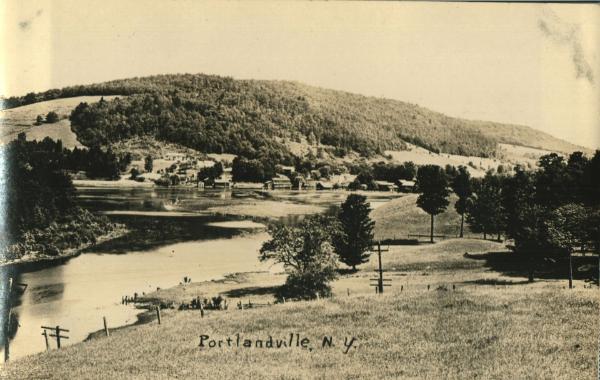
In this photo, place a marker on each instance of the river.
(176, 233)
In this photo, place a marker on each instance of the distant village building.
(342, 181)
(324, 185)
(279, 182)
(205, 164)
(386, 186)
(288, 170)
(223, 182)
(406, 185)
(173, 156)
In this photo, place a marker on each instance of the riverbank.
(446, 315)
(266, 209)
(36, 258)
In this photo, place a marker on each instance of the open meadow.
(22, 119)
(446, 315)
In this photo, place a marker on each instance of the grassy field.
(493, 324)
(22, 119)
(399, 217)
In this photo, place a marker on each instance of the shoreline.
(35, 260)
(173, 296)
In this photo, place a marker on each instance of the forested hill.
(255, 118)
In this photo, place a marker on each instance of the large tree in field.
(433, 186)
(307, 253)
(523, 217)
(565, 230)
(355, 237)
(461, 184)
(484, 210)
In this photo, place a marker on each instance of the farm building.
(386, 186)
(406, 186)
(279, 182)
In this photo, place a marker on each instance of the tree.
(39, 120)
(565, 229)
(210, 173)
(307, 253)
(432, 184)
(355, 236)
(148, 164)
(51, 117)
(484, 209)
(577, 165)
(244, 170)
(134, 173)
(551, 181)
(461, 184)
(592, 181)
(523, 217)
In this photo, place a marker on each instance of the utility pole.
(380, 268)
(380, 280)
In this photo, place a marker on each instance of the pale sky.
(531, 64)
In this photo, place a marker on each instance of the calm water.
(172, 238)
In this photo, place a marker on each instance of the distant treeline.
(40, 210)
(254, 118)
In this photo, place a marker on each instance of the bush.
(51, 117)
(305, 286)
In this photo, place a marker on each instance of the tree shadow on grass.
(492, 281)
(346, 271)
(251, 291)
(517, 265)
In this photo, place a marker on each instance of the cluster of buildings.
(186, 168)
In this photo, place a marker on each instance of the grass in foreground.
(516, 330)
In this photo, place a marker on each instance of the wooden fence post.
(57, 336)
(158, 314)
(201, 310)
(45, 334)
(570, 269)
(105, 326)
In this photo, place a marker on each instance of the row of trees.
(548, 211)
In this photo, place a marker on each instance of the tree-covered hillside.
(255, 118)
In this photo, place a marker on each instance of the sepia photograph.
(299, 190)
